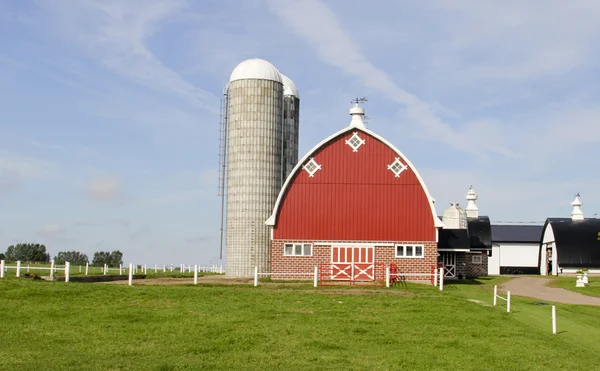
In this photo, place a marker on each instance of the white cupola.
(358, 114)
(577, 213)
(472, 209)
(454, 217)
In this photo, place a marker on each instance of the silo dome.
(289, 88)
(255, 69)
(454, 217)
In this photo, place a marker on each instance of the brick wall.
(474, 269)
(321, 254)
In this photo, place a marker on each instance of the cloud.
(106, 188)
(336, 47)
(51, 230)
(117, 33)
(16, 169)
(43, 145)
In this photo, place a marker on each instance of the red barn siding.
(355, 197)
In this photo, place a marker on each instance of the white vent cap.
(289, 88)
(255, 69)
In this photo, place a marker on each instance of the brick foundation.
(321, 254)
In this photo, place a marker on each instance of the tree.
(112, 259)
(2, 256)
(73, 257)
(29, 252)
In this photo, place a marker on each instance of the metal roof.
(255, 69)
(517, 233)
(577, 241)
(289, 88)
(453, 239)
(480, 232)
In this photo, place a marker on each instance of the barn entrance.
(448, 258)
(353, 263)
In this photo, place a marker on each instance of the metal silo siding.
(254, 172)
(355, 197)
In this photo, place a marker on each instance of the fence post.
(28, 267)
(387, 276)
(18, 268)
(554, 319)
(145, 269)
(508, 302)
(196, 274)
(220, 269)
(154, 268)
(1, 268)
(67, 271)
(130, 274)
(441, 278)
(105, 269)
(435, 276)
(164, 268)
(495, 293)
(316, 277)
(52, 269)
(256, 276)
(80, 269)
(87, 266)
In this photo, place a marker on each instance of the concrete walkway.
(536, 288)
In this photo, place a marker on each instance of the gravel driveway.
(536, 288)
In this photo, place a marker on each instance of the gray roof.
(517, 233)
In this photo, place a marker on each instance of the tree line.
(36, 253)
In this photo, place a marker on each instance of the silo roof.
(255, 69)
(289, 88)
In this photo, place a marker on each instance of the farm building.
(515, 249)
(465, 241)
(354, 205)
(570, 244)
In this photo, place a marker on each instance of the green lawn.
(593, 289)
(62, 326)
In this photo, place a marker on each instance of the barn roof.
(577, 241)
(272, 221)
(517, 233)
(480, 233)
(454, 239)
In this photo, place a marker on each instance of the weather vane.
(359, 100)
(577, 194)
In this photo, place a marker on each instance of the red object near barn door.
(353, 263)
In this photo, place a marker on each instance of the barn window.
(409, 251)
(397, 167)
(312, 167)
(477, 259)
(297, 249)
(355, 142)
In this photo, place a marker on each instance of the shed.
(515, 249)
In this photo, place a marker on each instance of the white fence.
(507, 298)
(438, 272)
(315, 275)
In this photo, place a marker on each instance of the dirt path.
(536, 288)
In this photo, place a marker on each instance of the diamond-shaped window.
(397, 167)
(355, 142)
(312, 167)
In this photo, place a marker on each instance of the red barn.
(352, 206)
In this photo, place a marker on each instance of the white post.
(316, 277)
(508, 302)
(256, 276)
(164, 268)
(52, 269)
(435, 276)
(145, 269)
(1, 268)
(80, 269)
(220, 269)
(441, 278)
(554, 319)
(154, 268)
(87, 266)
(105, 269)
(120, 269)
(67, 271)
(28, 267)
(196, 274)
(387, 276)
(18, 268)
(130, 274)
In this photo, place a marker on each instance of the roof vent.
(472, 209)
(577, 213)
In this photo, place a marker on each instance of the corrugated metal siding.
(355, 197)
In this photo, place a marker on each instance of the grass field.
(62, 326)
(593, 289)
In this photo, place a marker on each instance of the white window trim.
(361, 141)
(402, 167)
(422, 256)
(294, 244)
(473, 257)
(316, 167)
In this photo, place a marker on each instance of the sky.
(109, 109)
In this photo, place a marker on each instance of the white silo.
(291, 127)
(254, 122)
